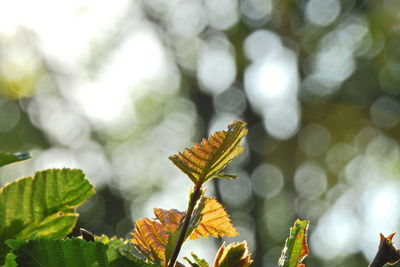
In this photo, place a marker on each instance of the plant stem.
(192, 203)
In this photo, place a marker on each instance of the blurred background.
(115, 87)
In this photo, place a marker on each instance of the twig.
(192, 203)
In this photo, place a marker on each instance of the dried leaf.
(236, 254)
(150, 238)
(170, 219)
(214, 221)
(205, 161)
(296, 248)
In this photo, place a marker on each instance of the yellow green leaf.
(198, 262)
(214, 221)
(42, 206)
(296, 248)
(236, 254)
(150, 238)
(206, 160)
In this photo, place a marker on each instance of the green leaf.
(8, 158)
(205, 161)
(197, 215)
(171, 244)
(198, 262)
(42, 206)
(69, 253)
(123, 246)
(296, 248)
(10, 260)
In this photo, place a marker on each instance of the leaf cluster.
(38, 212)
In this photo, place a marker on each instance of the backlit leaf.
(157, 240)
(8, 158)
(42, 206)
(123, 246)
(170, 219)
(197, 261)
(206, 160)
(69, 253)
(214, 221)
(197, 215)
(171, 243)
(209, 218)
(296, 248)
(150, 238)
(236, 254)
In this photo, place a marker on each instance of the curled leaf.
(296, 248)
(236, 254)
(206, 160)
(214, 221)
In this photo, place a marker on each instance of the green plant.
(38, 212)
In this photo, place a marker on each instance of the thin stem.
(192, 203)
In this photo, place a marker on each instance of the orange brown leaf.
(214, 221)
(205, 161)
(170, 219)
(150, 238)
